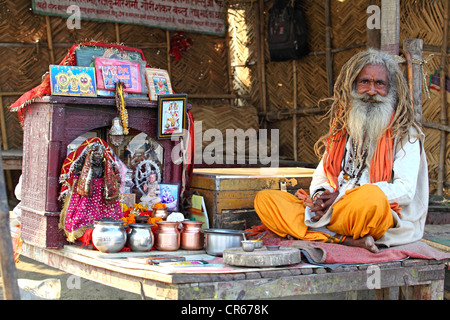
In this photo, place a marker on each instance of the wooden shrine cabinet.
(53, 122)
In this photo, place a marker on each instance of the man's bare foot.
(366, 242)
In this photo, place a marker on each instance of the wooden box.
(229, 193)
(50, 125)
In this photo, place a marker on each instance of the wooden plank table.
(417, 279)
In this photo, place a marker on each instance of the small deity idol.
(152, 191)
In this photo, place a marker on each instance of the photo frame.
(158, 82)
(170, 195)
(171, 115)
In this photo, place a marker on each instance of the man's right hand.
(322, 203)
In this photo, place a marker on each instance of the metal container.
(248, 245)
(160, 212)
(167, 236)
(192, 237)
(109, 236)
(217, 240)
(140, 237)
(141, 219)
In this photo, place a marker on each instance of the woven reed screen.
(213, 66)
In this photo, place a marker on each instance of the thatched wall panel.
(425, 20)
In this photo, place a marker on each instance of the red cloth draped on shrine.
(44, 88)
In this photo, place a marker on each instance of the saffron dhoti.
(362, 211)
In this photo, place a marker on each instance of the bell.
(116, 135)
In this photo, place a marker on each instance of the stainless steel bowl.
(217, 240)
(109, 236)
(140, 237)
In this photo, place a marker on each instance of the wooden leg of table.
(382, 294)
(405, 293)
(351, 295)
(432, 291)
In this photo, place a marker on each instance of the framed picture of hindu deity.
(171, 115)
(158, 82)
(169, 195)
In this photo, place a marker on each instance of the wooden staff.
(294, 117)
(8, 267)
(169, 68)
(50, 39)
(443, 117)
(329, 55)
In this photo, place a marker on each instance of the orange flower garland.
(129, 213)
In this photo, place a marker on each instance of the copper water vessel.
(192, 237)
(167, 236)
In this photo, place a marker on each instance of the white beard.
(367, 122)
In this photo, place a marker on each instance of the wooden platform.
(409, 279)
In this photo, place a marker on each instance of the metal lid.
(225, 231)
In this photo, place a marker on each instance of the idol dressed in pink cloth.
(92, 192)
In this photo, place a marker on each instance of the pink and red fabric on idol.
(87, 198)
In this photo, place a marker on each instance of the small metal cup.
(248, 245)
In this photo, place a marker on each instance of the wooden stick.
(390, 26)
(5, 145)
(373, 35)
(329, 56)
(229, 67)
(409, 72)
(218, 96)
(287, 113)
(50, 39)
(261, 53)
(443, 117)
(294, 117)
(414, 47)
(437, 126)
(116, 27)
(169, 69)
(8, 267)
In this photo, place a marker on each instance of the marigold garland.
(160, 205)
(130, 213)
(121, 107)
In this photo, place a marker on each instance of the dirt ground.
(71, 289)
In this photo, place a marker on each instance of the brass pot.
(160, 212)
(192, 237)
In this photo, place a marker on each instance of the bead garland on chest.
(357, 167)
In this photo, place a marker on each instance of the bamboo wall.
(216, 70)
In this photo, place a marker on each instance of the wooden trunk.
(229, 193)
(50, 125)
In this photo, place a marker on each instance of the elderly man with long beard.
(371, 185)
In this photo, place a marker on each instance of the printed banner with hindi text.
(203, 16)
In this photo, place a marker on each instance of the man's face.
(372, 80)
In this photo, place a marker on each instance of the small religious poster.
(158, 82)
(171, 115)
(169, 195)
(109, 71)
(72, 81)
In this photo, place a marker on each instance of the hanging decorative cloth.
(44, 88)
(178, 44)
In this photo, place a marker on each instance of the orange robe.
(361, 211)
